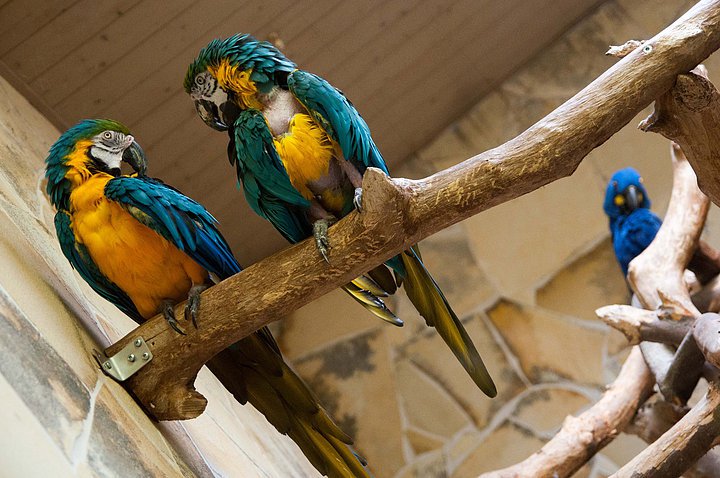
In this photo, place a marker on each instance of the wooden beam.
(400, 212)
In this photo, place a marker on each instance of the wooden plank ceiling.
(410, 67)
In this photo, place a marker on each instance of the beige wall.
(525, 277)
(60, 415)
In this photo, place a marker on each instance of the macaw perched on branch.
(300, 149)
(633, 225)
(145, 247)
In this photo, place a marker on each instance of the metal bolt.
(108, 365)
(145, 356)
(131, 358)
(647, 49)
(138, 342)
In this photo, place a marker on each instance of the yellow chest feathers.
(141, 262)
(306, 152)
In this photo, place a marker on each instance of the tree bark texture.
(657, 274)
(681, 446)
(689, 114)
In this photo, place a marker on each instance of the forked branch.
(582, 436)
(657, 275)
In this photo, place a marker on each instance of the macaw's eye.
(200, 80)
(619, 200)
(107, 135)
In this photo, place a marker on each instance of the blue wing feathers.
(176, 217)
(266, 183)
(338, 117)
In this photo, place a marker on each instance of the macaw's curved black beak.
(632, 201)
(210, 114)
(135, 157)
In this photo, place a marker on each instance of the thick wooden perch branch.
(689, 114)
(655, 418)
(583, 436)
(657, 275)
(399, 212)
(680, 447)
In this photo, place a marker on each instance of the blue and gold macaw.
(632, 224)
(300, 149)
(145, 247)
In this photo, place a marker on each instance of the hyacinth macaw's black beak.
(632, 201)
(135, 157)
(210, 114)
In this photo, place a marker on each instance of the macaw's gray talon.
(169, 314)
(323, 253)
(357, 199)
(320, 230)
(193, 303)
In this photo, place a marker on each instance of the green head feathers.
(56, 167)
(240, 49)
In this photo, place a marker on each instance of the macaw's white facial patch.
(108, 148)
(206, 87)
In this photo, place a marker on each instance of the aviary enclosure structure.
(675, 340)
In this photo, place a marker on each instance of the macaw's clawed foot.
(169, 313)
(320, 232)
(193, 303)
(357, 199)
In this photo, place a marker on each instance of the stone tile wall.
(525, 277)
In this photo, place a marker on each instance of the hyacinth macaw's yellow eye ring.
(619, 200)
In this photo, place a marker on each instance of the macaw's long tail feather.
(254, 371)
(429, 300)
(366, 282)
(384, 278)
(370, 301)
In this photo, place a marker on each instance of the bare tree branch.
(639, 325)
(655, 418)
(657, 274)
(582, 436)
(621, 51)
(682, 445)
(707, 335)
(398, 213)
(684, 372)
(689, 114)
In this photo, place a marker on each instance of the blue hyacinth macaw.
(300, 149)
(145, 247)
(632, 224)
